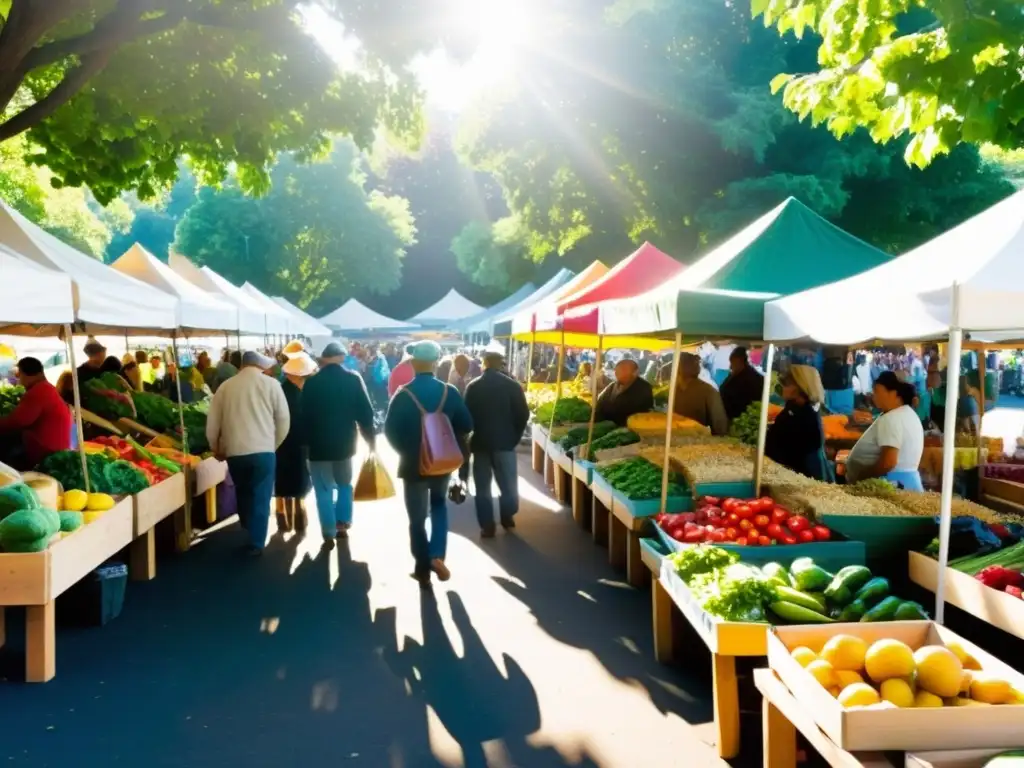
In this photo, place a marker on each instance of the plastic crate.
(97, 599)
(737, 490)
(651, 507)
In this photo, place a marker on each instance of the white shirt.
(249, 414)
(900, 429)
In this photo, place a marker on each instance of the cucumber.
(853, 611)
(777, 573)
(873, 591)
(790, 595)
(911, 611)
(808, 577)
(798, 614)
(884, 611)
(845, 583)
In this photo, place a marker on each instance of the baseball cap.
(255, 358)
(333, 349)
(424, 351)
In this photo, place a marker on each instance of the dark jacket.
(619, 406)
(797, 440)
(403, 426)
(334, 404)
(740, 390)
(498, 407)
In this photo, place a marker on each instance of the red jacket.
(44, 420)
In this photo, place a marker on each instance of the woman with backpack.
(427, 425)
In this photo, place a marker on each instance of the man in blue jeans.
(425, 496)
(498, 407)
(335, 409)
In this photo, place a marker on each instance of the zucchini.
(790, 595)
(845, 583)
(873, 591)
(808, 577)
(798, 614)
(884, 611)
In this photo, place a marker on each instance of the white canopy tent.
(197, 310)
(250, 317)
(481, 321)
(354, 316)
(970, 278)
(278, 321)
(103, 298)
(453, 306)
(32, 295)
(305, 324)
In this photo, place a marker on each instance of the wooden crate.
(158, 502)
(866, 729)
(964, 758)
(990, 605)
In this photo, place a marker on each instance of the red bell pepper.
(998, 577)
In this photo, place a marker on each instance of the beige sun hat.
(293, 348)
(300, 364)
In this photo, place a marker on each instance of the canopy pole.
(956, 336)
(677, 349)
(529, 361)
(593, 394)
(177, 383)
(762, 427)
(558, 391)
(80, 430)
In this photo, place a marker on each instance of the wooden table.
(562, 473)
(537, 440)
(582, 498)
(625, 530)
(149, 507)
(35, 580)
(661, 602)
(601, 516)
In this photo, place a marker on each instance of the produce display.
(541, 394)
(194, 416)
(921, 504)
(889, 673)
(638, 479)
(804, 593)
(836, 427)
(578, 435)
(156, 411)
(655, 422)
(615, 438)
(106, 475)
(746, 426)
(155, 466)
(26, 525)
(108, 396)
(1002, 569)
(714, 462)
(9, 398)
(567, 410)
(1001, 471)
(744, 522)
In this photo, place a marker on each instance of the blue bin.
(651, 507)
(738, 490)
(588, 466)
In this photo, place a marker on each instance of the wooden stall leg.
(563, 488)
(40, 643)
(581, 503)
(3, 632)
(662, 607)
(183, 527)
(636, 571)
(537, 457)
(616, 542)
(549, 471)
(211, 505)
(599, 522)
(779, 738)
(726, 705)
(142, 557)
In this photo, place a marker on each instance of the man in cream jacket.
(247, 422)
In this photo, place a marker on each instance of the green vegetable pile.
(195, 425)
(114, 476)
(106, 396)
(9, 398)
(567, 410)
(639, 479)
(746, 426)
(155, 411)
(616, 438)
(578, 435)
(804, 593)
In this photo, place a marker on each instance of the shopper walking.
(426, 398)
(498, 408)
(335, 408)
(247, 422)
(291, 479)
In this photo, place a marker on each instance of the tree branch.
(73, 81)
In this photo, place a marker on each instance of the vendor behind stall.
(797, 439)
(742, 386)
(92, 368)
(42, 417)
(698, 400)
(891, 447)
(627, 395)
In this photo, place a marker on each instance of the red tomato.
(752, 533)
(752, 541)
(805, 537)
(764, 541)
(732, 519)
(701, 516)
(713, 501)
(746, 525)
(788, 538)
(693, 537)
(798, 523)
(779, 514)
(744, 511)
(660, 518)
(741, 541)
(687, 517)
(821, 533)
(774, 530)
(678, 534)
(731, 534)
(716, 536)
(729, 505)
(767, 503)
(710, 528)
(762, 521)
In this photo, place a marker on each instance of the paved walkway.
(535, 654)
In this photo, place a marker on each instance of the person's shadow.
(471, 697)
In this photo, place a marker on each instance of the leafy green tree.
(154, 222)
(494, 255)
(317, 238)
(115, 91)
(944, 72)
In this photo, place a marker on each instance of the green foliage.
(318, 237)
(154, 222)
(944, 72)
(493, 255)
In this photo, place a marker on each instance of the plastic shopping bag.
(374, 482)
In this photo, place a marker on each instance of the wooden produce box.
(158, 502)
(871, 729)
(963, 758)
(207, 474)
(967, 593)
(725, 638)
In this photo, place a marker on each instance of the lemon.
(991, 690)
(962, 702)
(968, 661)
(889, 658)
(923, 699)
(898, 692)
(848, 677)
(99, 502)
(965, 682)
(939, 671)
(822, 671)
(804, 655)
(845, 652)
(74, 500)
(858, 695)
